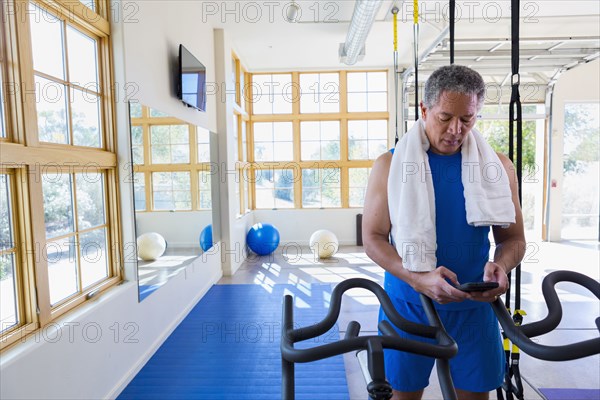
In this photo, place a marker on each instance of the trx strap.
(452, 11)
(515, 116)
(416, 50)
(395, 11)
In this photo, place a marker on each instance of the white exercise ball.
(150, 246)
(323, 243)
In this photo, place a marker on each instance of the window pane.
(324, 140)
(6, 228)
(9, 315)
(90, 200)
(581, 171)
(135, 110)
(357, 81)
(94, 258)
(377, 81)
(273, 141)
(275, 188)
(357, 102)
(204, 185)
(83, 61)
(272, 94)
(171, 191)
(46, 42)
(170, 144)
(139, 191)
(58, 204)
(367, 139)
(157, 113)
(367, 91)
(376, 102)
(51, 105)
(2, 110)
(319, 93)
(86, 119)
(137, 145)
(62, 269)
(203, 138)
(321, 188)
(358, 178)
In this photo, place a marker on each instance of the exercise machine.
(442, 350)
(371, 347)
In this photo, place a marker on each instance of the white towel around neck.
(411, 197)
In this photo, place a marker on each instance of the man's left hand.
(492, 272)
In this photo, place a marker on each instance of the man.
(452, 98)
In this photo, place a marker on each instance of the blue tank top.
(462, 248)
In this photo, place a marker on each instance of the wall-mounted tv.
(192, 80)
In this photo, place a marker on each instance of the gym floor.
(297, 265)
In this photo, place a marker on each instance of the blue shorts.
(478, 366)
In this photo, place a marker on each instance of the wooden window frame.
(194, 167)
(28, 159)
(296, 117)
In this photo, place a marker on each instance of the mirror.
(172, 194)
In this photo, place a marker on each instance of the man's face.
(448, 123)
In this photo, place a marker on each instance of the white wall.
(581, 84)
(93, 352)
(180, 229)
(296, 226)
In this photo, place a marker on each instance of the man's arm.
(376, 226)
(376, 223)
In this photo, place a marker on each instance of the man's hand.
(492, 272)
(434, 284)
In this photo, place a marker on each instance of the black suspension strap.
(416, 54)
(452, 17)
(515, 118)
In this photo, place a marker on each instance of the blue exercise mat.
(571, 394)
(228, 348)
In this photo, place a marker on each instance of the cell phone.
(477, 286)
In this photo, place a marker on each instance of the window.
(3, 133)
(320, 140)
(272, 94)
(357, 183)
(75, 220)
(581, 169)
(274, 188)
(273, 141)
(9, 312)
(172, 170)
(67, 87)
(367, 91)
(320, 155)
(171, 191)
(321, 188)
(62, 64)
(170, 144)
(367, 139)
(319, 93)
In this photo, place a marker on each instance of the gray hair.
(453, 78)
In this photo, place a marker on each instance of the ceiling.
(265, 41)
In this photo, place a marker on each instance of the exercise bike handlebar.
(520, 335)
(445, 347)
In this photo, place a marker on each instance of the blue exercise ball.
(263, 239)
(206, 238)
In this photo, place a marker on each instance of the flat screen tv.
(192, 80)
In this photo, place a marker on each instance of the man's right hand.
(435, 285)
